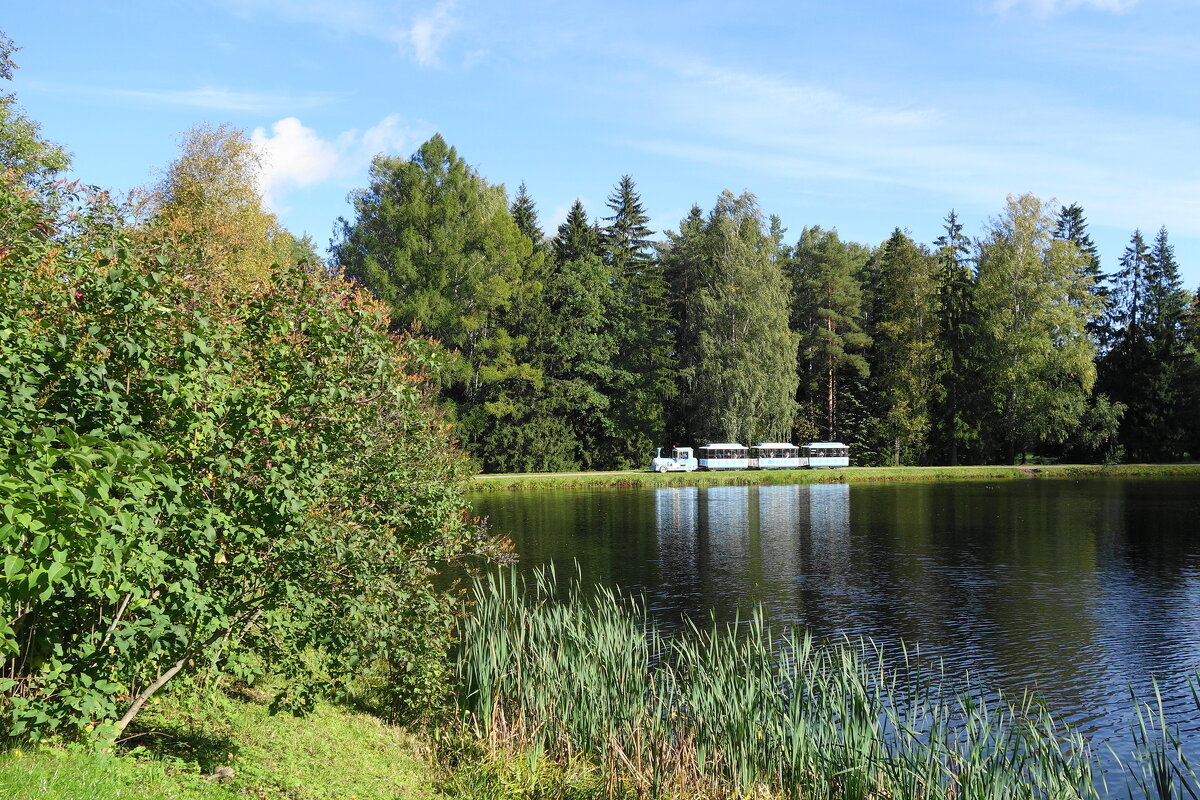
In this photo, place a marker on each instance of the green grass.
(333, 753)
(492, 483)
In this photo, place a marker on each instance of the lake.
(1074, 589)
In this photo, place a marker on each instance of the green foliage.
(436, 243)
(637, 394)
(206, 214)
(730, 304)
(827, 313)
(905, 360)
(1035, 300)
(958, 344)
(188, 480)
(1148, 367)
(23, 151)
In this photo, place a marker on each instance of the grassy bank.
(597, 480)
(585, 690)
(333, 753)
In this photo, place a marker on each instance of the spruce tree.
(958, 337)
(1147, 368)
(827, 314)
(524, 213)
(1072, 227)
(905, 363)
(683, 259)
(576, 237)
(645, 346)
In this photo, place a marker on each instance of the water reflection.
(1074, 590)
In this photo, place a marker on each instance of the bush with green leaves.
(190, 479)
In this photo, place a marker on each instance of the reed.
(745, 711)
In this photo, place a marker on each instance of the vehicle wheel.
(662, 469)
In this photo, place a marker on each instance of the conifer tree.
(524, 213)
(683, 260)
(645, 346)
(1072, 227)
(576, 237)
(959, 330)
(905, 362)
(1147, 368)
(827, 314)
(436, 242)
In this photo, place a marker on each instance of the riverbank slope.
(185, 748)
(632, 479)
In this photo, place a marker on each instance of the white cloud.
(295, 156)
(429, 30)
(420, 34)
(971, 148)
(1052, 8)
(220, 99)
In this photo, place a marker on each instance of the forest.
(589, 348)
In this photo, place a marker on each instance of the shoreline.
(646, 479)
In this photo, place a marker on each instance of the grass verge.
(333, 753)
(598, 480)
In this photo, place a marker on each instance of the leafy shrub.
(189, 478)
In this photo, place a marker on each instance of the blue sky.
(853, 115)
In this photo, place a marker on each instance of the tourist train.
(768, 455)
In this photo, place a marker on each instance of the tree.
(436, 242)
(1035, 300)
(1148, 364)
(23, 151)
(524, 213)
(644, 347)
(959, 331)
(207, 215)
(827, 313)
(1071, 226)
(739, 350)
(905, 360)
(683, 258)
(576, 237)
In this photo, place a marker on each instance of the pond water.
(1075, 590)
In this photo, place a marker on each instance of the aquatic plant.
(746, 711)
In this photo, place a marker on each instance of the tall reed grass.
(746, 711)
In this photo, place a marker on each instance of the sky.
(859, 116)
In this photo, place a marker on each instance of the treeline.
(588, 348)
